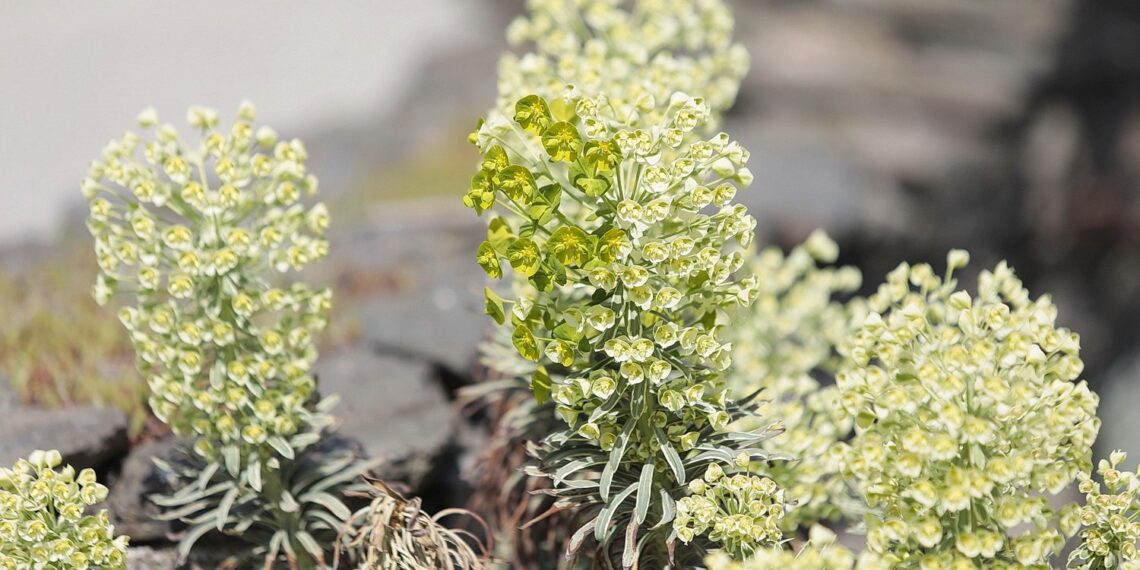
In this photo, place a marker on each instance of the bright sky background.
(75, 74)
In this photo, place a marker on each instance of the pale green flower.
(967, 415)
(781, 342)
(636, 55)
(590, 301)
(820, 553)
(1108, 520)
(192, 233)
(43, 520)
(739, 512)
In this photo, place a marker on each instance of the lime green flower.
(739, 511)
(1110, 530)
(966, 415)
(43, 522)
(623, 296)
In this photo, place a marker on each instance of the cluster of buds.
(636, 55)
(191, 232)
(967, 415)
(1109, 519)
(821, 552)
(782, 343)
(43, 520)
(623, 270)
(739, 511)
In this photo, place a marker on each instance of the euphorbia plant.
(195, 237)
(628, 242)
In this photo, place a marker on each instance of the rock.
(395, 407)
(85, 436)
(131, 511)
(147, 558)
(411, 274)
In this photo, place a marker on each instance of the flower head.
(1110, 532)
(637, 56)
(740, 512)
(194, 233)
(43, 520)
(966, 413)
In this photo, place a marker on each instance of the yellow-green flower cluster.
(967, 415)
(1110, 530)
(192, 232)
(622, 239)
(637, 53)
(782, 342)
(820, 553)
(43, 520)
(740, 512)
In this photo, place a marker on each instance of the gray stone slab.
(395, 407)
(85, 436)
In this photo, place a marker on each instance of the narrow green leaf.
(671, 457)
(310, 545)
(602, 523)
(333, 504)
(304, 440)
(668, 509)
(224, 508)
(190, 538)
(644, 492)
(576, 539)
(629, 551)
(288, 503)
(614, 462)
(207, 474)
(232, 457)
(254, 474)
(281, 446)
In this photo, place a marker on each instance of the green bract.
(43, 520)
(626, 290)
(966, 416)
(622, 286)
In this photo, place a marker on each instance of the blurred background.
(902, 127)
